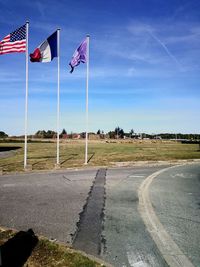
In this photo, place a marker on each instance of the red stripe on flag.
(13, 49)
(10, 46)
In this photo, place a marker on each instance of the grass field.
(42, 156)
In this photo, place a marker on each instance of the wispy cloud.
(178, 39)
(189, 37)
(140, 50)
(166, 49)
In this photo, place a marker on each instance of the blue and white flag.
(46, 51)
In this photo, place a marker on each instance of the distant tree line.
(179, 136)
(117, 133)
(45, 134)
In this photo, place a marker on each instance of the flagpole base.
(57, 166)
(28, 168)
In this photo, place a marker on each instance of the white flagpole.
(87, 81)
(26, 99)
(58, 95)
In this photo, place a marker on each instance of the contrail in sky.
(166, 49)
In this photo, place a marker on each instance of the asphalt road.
(48, 203)
(102, 209)
(127, 243)
(175, 195)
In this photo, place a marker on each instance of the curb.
(167, 247)
(112, 165)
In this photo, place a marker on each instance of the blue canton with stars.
(19, 34)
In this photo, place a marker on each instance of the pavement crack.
(66, 178)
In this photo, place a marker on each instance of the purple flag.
(80, 55)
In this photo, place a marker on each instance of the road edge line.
(166, 245)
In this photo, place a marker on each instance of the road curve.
(164, 186)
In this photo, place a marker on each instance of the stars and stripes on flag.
(15, 42)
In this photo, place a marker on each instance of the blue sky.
(144, 66)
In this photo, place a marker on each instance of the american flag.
(15, 42)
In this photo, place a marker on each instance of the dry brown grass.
(42, 156)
